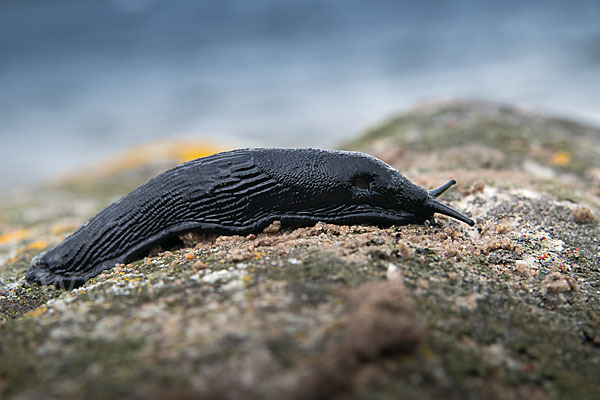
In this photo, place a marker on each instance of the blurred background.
(81, 80)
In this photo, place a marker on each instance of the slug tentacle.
(439, 190)
(437, 207)
(240, 192)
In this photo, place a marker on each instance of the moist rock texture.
(507, 309)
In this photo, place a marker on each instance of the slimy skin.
(240, 192)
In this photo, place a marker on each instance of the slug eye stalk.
(440, 208)
(439, 190)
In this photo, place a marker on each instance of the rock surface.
(507, 309)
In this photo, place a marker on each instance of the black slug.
(240, 192)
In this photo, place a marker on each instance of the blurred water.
(80, 79)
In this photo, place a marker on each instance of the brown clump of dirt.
(556, 282)
(523, 269)
(238, 255)
(199, 265)
(499, 244)
(474, 188)
(273, 228)
(379, 319)
(198, 240)
(583, 215)
(351, 243)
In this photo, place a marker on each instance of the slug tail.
(439, 190)
(440, 208)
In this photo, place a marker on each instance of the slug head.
(379, 184)
(342, 186)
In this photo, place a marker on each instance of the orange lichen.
(36, 312)
(31, 246)
(192, 150)
(38, 245)
(14, 236)
(60, 229)
(176, 150)
(561, 158)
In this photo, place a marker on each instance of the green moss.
(395, 128)
(318, 266)
(94, 368)
(455, 125)
(24, 298)
(17, 297)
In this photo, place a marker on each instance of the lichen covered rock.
(509, 308)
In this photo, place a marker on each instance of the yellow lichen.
(561, 158)
(37, 245)
(60, 229)
(37, 311)
(191, 151)
(14, 236)
(177, 150)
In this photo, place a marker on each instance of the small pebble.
(393, 273)
(189, 256)
(452, 252)
(236, 255)
(452, 277)
(198, 265)
(561, 267)
(523, 269)
(583, 215)
(556, 282)
(273, 228)
(477, 187)
(404, 250)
